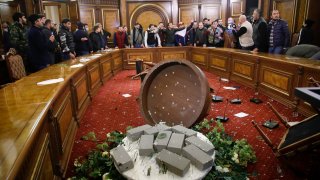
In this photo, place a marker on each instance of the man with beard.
(66, 40)
(39, 45)
(137, 36)
(52, 45)
(120, 38)
(201, 37)
(278, 33)
(260, 32)
(19, 38)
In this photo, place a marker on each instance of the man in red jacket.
(120, 38)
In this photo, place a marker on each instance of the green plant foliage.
(98, 160)
(232, 157)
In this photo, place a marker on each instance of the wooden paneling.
(237, 7)
(6, 11)
(117, 63)
(110, 19)
(173, 55)
(38, 158)
(188, 14)
(87, 15)
(243, 69)
(94, 78)
(211, 11)
(80, 93)
(145, 56)
(199, 59)
(106, 67)
(276, 79)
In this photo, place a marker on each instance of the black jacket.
(97, 41)
(6, 41)
(51, 45)
(82, 45)
(66, 40)
(39, 49)
(260, 35)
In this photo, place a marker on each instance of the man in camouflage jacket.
(18, 35)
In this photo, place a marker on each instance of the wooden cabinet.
(64, 126)
(80, 92)
(94, 75)
(106, 67)
(117, 62)
(39, 159)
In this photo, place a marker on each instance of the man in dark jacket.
(201, 37)
(306, 33)
(96, 39)
(191, 32)
(39, 45)
(278, 32)
(169, 34)
(66, 40)
(260, 32)
(137, 36)
(82, 41)
(52, 45)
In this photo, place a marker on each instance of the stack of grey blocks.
(177, 147)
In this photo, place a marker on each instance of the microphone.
(216, 98)
(255, 99)
(236, 100)
(223, 118)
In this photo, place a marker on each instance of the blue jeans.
(81, 53)
(276, 50)
(65, 56)
(137, 45)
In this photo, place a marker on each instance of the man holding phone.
(52, 43)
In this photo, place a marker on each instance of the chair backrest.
(294, 39)
(15, 65)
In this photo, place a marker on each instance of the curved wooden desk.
(38, 123)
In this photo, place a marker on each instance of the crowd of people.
(42, 44)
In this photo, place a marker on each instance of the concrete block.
(174, 163)
(183, 130)
(163, 127)
(176, 143)
(204, 146)
(146, 145)
(121, 159)
(135, 133)
(151, 131)
(197, 157)
(162, 140)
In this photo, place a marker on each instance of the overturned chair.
(299, 136)
(142, 67)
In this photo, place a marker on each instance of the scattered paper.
(229, 88)
(76, 65)
(224, 79)
(84, 60)
(50, 81)
(241, 114)
(126, 95)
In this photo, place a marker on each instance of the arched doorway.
(148, 14)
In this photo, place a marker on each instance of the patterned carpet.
(110, 111)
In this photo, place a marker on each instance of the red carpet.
(110, 111)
